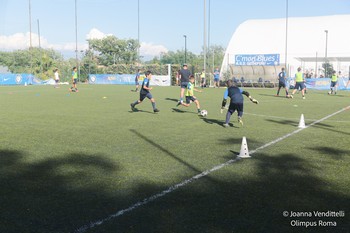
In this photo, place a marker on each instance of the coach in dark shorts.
(184, 79)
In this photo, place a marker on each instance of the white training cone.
(301, 122)
(244, 153)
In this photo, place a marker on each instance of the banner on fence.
(319, 83)
(127, 79)
(19, 79)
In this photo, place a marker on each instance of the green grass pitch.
(71, 159)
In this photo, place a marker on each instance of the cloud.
(15, 41)
(149, 49)
(22, 41)
(96, 34)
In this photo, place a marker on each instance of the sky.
(160, 24)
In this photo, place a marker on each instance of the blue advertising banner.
(319, 83)
(127, 79)
(19, 79)
(257, 59)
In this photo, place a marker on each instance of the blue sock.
(228, 117)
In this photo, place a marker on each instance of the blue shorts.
(143, 96)
(299, 84)
(189, 99)
(216, 80)
(333, 83)
(280, 84)
(75, 81)
(184, 84)
(236, 107)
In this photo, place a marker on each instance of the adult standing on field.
(299, 83)
(74, 80)
(282, 82)
(202, 75)
(184, 79)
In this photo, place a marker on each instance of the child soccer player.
(137, 77)
(74, 80)
(145, 92)
(236, 104)
(334, 81)
(189, 95)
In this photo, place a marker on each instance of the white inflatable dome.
(306, 41)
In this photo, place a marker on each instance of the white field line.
(196, 177)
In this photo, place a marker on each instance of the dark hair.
(191, 76)
(229, 83)
(148, 72)
(74, 67)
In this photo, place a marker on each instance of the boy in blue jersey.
(145, 92)
(216, 77)
(190, 96)
(236, 103)
(137, 77)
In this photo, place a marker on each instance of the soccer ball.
(204, 113)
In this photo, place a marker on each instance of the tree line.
(109, 55)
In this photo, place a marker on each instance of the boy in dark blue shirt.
(236, 103)
(145, 92)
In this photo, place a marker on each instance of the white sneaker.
(226, 125)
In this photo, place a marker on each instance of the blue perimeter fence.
(129, 79)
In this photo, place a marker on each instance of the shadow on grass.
(140, 110)
(218, 122)
(178, 110)
(283, 122)
(244, 203)
(52, 195)
(335, 153)
(327, 127)
(166, 151)
(57, 195)
(172, 99)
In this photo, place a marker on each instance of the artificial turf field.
(84, 162)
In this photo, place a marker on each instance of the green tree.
(111, 50)
(328, 67)
(37, 61)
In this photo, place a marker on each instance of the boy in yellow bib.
(299, 83)
(190, 96)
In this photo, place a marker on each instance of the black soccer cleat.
(156, 110)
